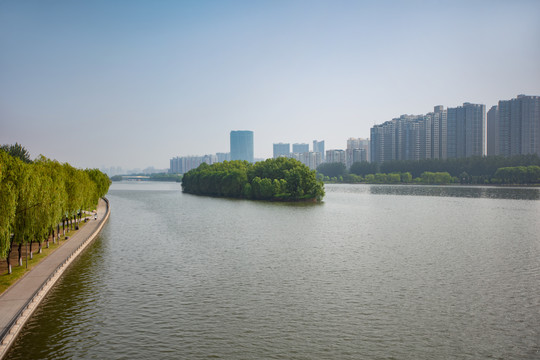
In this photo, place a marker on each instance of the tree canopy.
(17, 151)
(476, 166)
(520, 169)
(282, 179)
(36, 196)
(333, 169)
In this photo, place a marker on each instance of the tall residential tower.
(318, 146)
(441, 134)
(514, 126)
(282, 150)
(242, 145)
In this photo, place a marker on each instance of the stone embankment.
(18, 303)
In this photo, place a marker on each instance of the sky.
(135, 83)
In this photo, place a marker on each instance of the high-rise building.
(318, 146)
(455, 122)
(465, 130)
(493, 131)
(335, 156)
(405, 138)
(310, 158)
(441, 134)
(475, 126)
(181, 165)
(517, 129)
(352, 155)
(282, 149)
(439, 127)
(300, 148)
(242, 145)
(221, 157)
(359, 155)
(383, 142)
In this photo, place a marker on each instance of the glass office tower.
(242, 145)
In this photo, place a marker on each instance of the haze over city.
(132, 84)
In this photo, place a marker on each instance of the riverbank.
(422, 184)
(19, 302)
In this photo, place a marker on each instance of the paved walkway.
(19, 301)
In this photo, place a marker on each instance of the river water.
(374, 272)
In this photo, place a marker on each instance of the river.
(374, 272)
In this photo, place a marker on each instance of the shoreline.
(450, 184)
(20, 300)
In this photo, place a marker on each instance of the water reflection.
(490, 192)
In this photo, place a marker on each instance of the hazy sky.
(134, 83)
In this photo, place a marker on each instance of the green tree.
(17, 151)
(282, 178)
(533, 174)
(10, 174)
(380, 178)
(363, 168)
(35, 196)
(406, 177)
(335, 169)
(26, 200)
(57, 193)
(393, 178)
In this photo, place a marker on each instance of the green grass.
(17, 272)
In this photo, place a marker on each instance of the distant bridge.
(135, 177)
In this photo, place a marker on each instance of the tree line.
(36, 196)
(472, 170)
(281, 179)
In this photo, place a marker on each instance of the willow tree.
(26, 197)
(45, 213)
(102, 182)
(73, 190)
(57, 195)
(36, 196)
(9, 177)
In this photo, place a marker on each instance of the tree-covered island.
(281, 179)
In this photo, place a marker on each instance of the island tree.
(281, 179)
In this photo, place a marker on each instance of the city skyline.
(101, 84)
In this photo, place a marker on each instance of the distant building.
(318, 146)
(282, 149)
(242, 145)
(353, 153)
(514, 126)
(382, 139)
(466, 125)
(493, 131)
(441, 134)
(300, 148)
(221, 157)
(181, 165)
(310, 159)
(358, 155)
(335, 156)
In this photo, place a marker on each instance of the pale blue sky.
(134, 83)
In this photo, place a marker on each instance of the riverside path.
(21, 299)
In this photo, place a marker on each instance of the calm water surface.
(375, 272)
